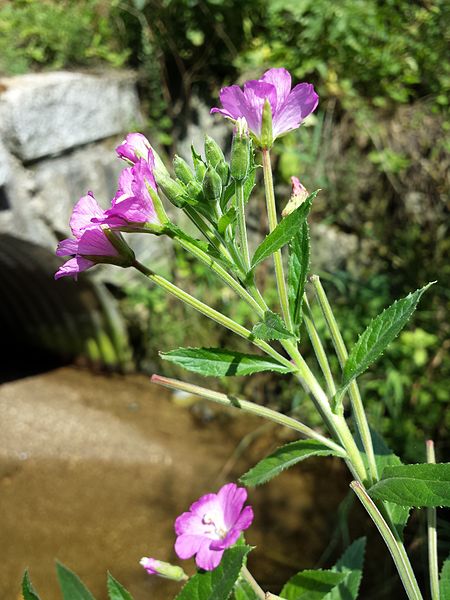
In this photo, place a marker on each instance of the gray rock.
(47, 113)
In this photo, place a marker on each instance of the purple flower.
(90, 244)
(134, 147)
(213, 523)
(132, 204)
(163, 569)
(289, 107)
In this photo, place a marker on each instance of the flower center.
(212, 528)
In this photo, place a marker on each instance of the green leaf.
(218, 362)
(283, 232)
(28, 591)
(217, 584)
(299, 251)
(379, 334)
(272, 327)
(384, 457)
(243, 591)
(226, 219)
(444, 581)
(116, 591)
(72, 587)
(351, 564)
(311, 585)
(283, 458)
(424, 485)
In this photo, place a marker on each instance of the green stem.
(432, 536)
(318, 349)
(211, 313)
(355, 396)
(277, 257)
(249, 407)
(211, 235)
(253, 583)
(240, 205)
(222, 273)
(399, 557)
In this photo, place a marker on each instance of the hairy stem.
(432, 536)
(240, 205)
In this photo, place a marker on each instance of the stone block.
(49, 113)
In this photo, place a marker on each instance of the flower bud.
(200, 169)
(173, 191)
(224, 172)
(298, 196)
(213, 152)
(182, 170)
(240, 151)
(212, 185)
(194, 190)
(266, 126)
(163, 569)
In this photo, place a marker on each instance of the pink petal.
(231, 499)
(72, 267)
(230, 539)
(150, 565)
(67, 247)
(208, 559)
(189, 523)
(233, 102)
(281, 80)
(301, 102)
(83, 212)
(125, 189)
(95, 243)
(187, 545)
(134, 146)
(256, 93)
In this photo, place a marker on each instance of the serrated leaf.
(218, 362)
(217, 584)
(284, 457)
(384, 457)
(28, 591)
(379, 334)
(424, 485)
(351, 564)
(311, 585)
(72, 587)
(272, 327)
(243, 591)
(283, 232)
(444, 580)
(299, 251)
(116, 591)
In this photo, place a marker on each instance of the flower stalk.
(432, 536)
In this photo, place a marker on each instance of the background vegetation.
(378, 148)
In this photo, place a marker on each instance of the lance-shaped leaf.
(379, 334)
(283, 232)
(116, 591)
(299, 251)
(424, 485)
(28, 591)
(444, 580)
(283, 458)
(351, 564)
(218, 362)
(244, 591)
(311, 585)
(272, 327)
(72, 587)
(217, 584)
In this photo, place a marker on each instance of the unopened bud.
(298, 196)
(240, 151)
(224, 172)
(173, 191)
(182, 170)
(213, 152)
(212, 185)
(266, 126)
(194, 190)
(163, 569)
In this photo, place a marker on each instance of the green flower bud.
(213, 153)
(212, 185)
(266, 126)
(200, 169)
(240, 151)
(224, 172)
(194, 190)
(182, 170)
(172, 190)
